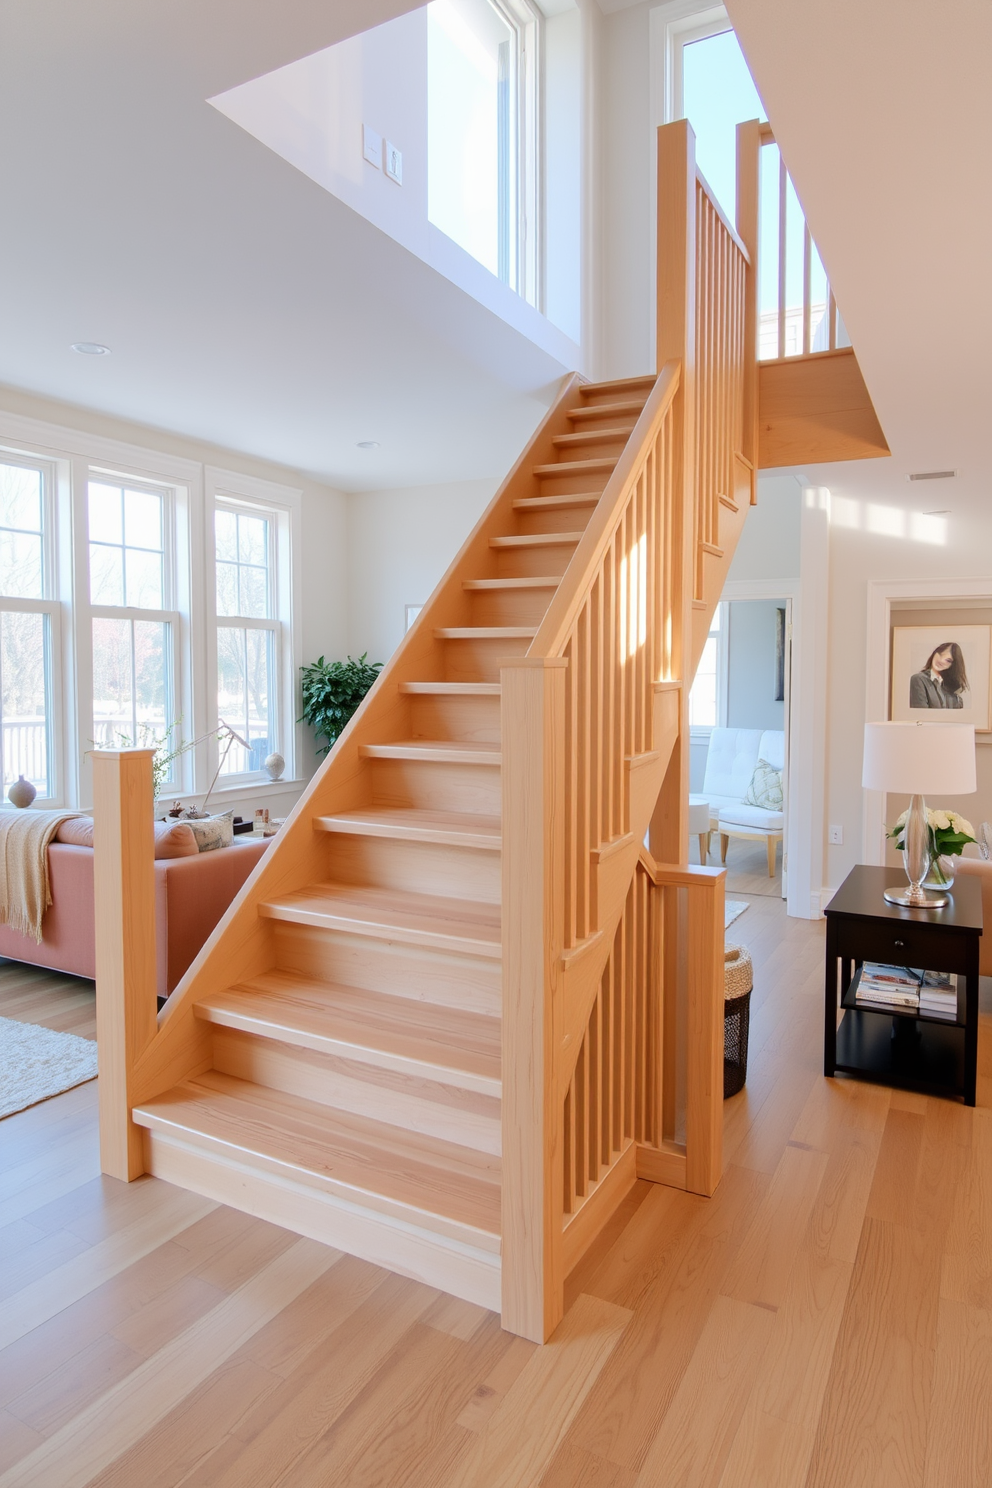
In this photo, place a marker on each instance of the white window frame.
(172, 613)
(703, 730)
(282, 505)
(47, 605)
(672, 28)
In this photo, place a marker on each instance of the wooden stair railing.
(458, 1006)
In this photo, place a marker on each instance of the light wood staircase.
(350, 1086)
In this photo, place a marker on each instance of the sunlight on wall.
(634, 599)
(888, 521)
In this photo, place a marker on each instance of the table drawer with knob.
(904, 944)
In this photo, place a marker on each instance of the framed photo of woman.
(941, 674)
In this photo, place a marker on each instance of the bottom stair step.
(414, 1204)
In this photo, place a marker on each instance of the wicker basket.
(738, 981)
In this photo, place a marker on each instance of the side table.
(893, 1046)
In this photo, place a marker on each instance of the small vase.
(942, 870)
(21, 793)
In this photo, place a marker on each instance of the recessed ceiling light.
(933, 475)
(90, 348)
(368, 444)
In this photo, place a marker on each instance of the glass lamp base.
(925, 899)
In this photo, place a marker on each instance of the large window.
(132, 614)
(244, 541)
(707, 696)
(26, 627)
(482, 133)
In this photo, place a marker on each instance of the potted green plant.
(949, 833)
(332, 691)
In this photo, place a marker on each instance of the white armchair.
(730, 762)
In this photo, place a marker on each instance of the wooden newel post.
(533, 782)
(124, 901)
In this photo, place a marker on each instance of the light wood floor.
(747, 867)
(825, 1319)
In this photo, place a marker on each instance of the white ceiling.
(243, 304)
(884, 115)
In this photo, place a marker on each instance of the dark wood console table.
(894, 1046)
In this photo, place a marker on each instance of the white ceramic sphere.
(273, 765)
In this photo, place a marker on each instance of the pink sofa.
(191, 894)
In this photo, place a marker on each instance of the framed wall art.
(941, 674)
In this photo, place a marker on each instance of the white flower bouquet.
(948, 832)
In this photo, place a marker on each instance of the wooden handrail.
(552, 636)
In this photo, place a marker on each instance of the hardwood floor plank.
(693, 1441)
(66, 1393)
(627, 1406)
(309, 1321)
(490, 1391)
(322, 1387)
(94, 1437)
(521, 1437)
(873, 1427)
(173, 1212)
(16, 1440)
(959, 1435)
(574, 1468)
(167, 1454)
(762, 1266)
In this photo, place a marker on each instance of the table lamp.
(918, 759)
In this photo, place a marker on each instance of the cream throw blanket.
(25, 892)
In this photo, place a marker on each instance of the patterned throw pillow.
(765, 789)
(212, 832)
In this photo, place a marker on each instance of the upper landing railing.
(797, 311)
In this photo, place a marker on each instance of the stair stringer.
(242, 943)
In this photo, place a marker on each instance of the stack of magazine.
(931, 992)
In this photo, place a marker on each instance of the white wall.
(857, 556)
(769, 542)
(312, 112)
(399, 545)
(324, 531)
(751, 665)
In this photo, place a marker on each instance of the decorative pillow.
(765, 789)
(172, 839)
(212, 832)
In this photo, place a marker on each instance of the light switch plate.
(394, 163)
(372, 146)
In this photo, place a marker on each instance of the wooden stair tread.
(620, 385)
(417, 1177)
(428, 1040)
(711, 550)
(600, 410)
(577, 467)
(592, 436)
(434, 751)
(729, 503)
(499, 585)
(537, 540)
(485, 632)
(464, 925)
(412, 824)
(452, 689)
(559, 502)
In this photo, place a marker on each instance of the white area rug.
(37, 1063)
(732, 910)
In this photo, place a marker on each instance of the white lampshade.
(920, 759)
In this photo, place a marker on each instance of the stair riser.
(425, 1106)
(440, 977)
(606, 417)
(538, 562)
(553, 484)
(449, 872)
(436, 787)
(472, 719)
(554, 519)
(478, 660)
(454, 1267)
(597, 397)
(510, 607)
(592, 448)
